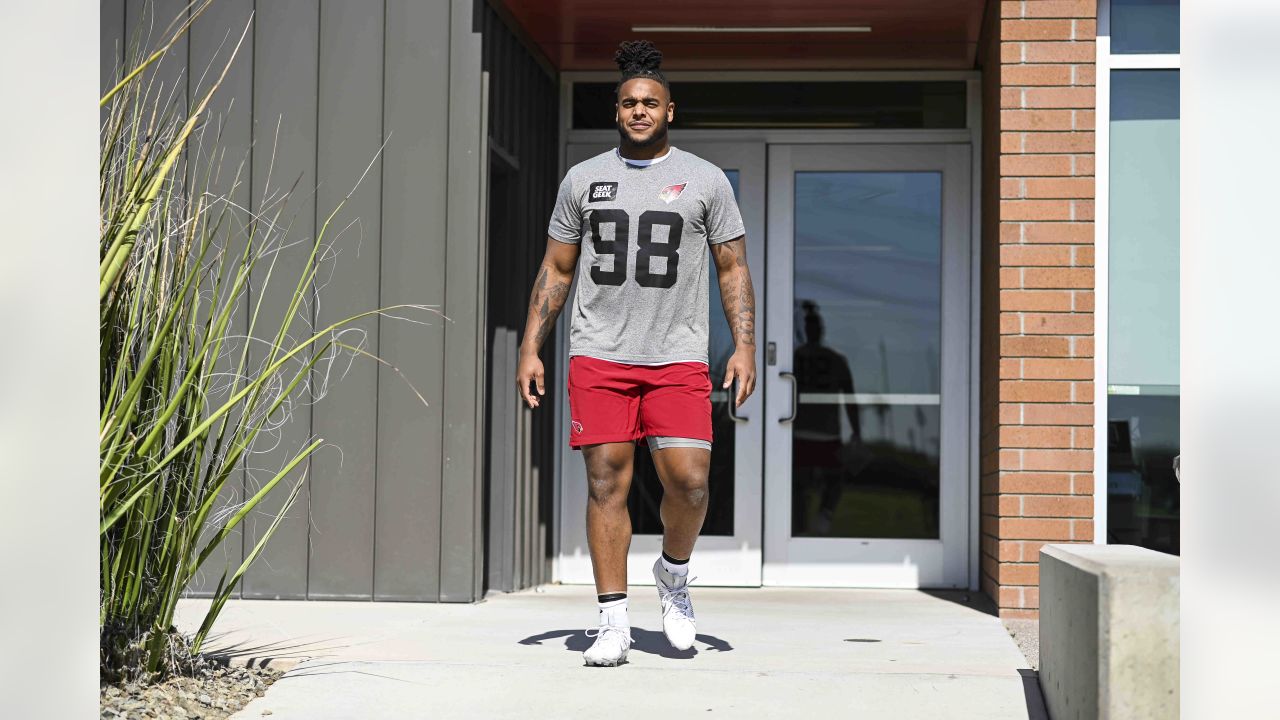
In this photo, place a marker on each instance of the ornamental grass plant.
(184, 399)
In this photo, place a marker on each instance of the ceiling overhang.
(757, 34)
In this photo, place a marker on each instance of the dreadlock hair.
(639, 59)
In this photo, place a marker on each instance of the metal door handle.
(733, 394)
(794, 403)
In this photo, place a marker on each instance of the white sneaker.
(677, 610)
(610, 647)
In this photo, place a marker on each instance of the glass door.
(729, 549)
(868, 326)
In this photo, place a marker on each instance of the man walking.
(639, 216)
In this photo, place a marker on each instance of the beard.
(659, 133)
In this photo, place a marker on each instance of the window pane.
(1143, 229)
(916, 104)
(1144, 26)
(868, 326)
(1142, 363)
(1142, 490)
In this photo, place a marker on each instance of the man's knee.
(608, 479)
(690, 488)
(607, 488)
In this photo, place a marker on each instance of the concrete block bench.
(1108, 632)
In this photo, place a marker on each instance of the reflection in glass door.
(867, 320)
(869, 323)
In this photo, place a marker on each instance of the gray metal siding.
(414, 179)
(110, 49)
(154, 17)
(392, 506)
(349, 133)
(213, 38)
(286, 42)
(462, 306)
(523, 147)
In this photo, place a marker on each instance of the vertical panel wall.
(143, 18)
(348, 136)
(523, 142)
(228, 170)
(414, 208)
(286, 52)
(391, 504)
(464, 304)
(111, 22)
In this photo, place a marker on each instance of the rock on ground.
(213, 693)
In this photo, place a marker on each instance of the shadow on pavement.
(646, 641)
(264, 654)
(1035, 700)
(971, 599)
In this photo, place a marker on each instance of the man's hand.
(530, 369)
(739, 300)
(741, 366)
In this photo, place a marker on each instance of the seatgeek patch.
(603, 191)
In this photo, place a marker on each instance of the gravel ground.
(1026, 633)
(215, 691)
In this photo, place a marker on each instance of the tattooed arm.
(550, 289)
(739, 300)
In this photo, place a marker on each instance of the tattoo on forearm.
(546, 300)
(745, 329)
(737, 293)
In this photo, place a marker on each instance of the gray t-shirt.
(643, 272)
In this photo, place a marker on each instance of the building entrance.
(849, 465)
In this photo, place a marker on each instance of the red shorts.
(620, 402)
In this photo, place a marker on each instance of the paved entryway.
(759, 653)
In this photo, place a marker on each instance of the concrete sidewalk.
(767, 652)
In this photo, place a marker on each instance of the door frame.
(870, 562)
(971, 134)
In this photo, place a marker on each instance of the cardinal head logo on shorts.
(577, 427)
(671, 192)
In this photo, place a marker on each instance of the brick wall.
(1037, 284)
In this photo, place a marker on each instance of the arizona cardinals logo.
(671, 192)
(577, 427)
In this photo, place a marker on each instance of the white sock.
(614, 612)
(674, 569)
